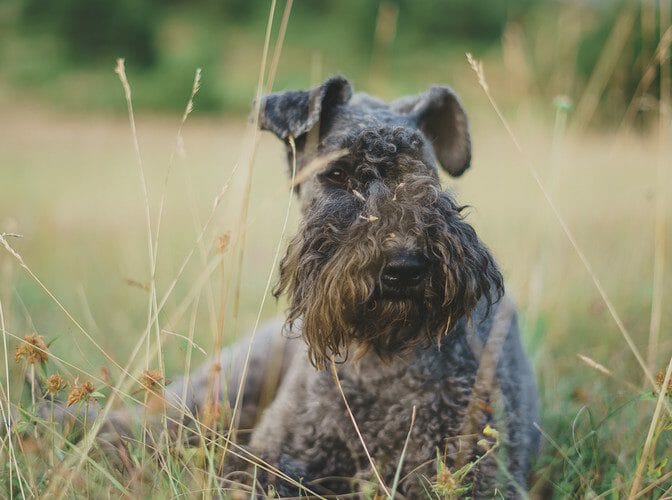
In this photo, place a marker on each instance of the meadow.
(578, 217)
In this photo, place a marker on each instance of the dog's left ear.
(440, 116)
(297, 112)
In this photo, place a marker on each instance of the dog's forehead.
(365, 125)
(364, 111)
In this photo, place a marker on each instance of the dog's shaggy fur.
(389, 286)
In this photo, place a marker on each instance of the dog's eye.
(337, 176)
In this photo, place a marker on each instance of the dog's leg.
(219, 379)
(519, 396)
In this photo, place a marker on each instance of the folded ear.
(296, 112)
(440, 116)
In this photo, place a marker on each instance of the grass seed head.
(211, 414)
(33, 350)
(660, 378)
(151, 379)
(80, 392)
(55, 384)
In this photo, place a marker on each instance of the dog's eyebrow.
(317, 164)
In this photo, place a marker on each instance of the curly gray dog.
(393, 292)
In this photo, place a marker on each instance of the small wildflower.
(151, 379)
(490, 431)
(446, 484)
(33, 349)
(80, 392)
(55, 384)
(660, 378)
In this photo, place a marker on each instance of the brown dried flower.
(80, 392)
(660, 378)
(33, 350)
(151, 379)
(55, 384)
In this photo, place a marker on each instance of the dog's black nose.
(404, 270)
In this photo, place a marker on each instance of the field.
(71, 185)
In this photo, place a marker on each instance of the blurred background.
(585, 85)
(61, 50)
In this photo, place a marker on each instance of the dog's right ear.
(293, 113)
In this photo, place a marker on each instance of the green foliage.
(460, 20)
(163, 43)
(95, 30)
(60, 45)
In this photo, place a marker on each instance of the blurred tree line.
(56, 46)
(93, 30)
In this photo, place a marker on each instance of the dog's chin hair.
(389, 325)
(386, 328)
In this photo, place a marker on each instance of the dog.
(400, 361)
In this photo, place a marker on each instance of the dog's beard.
(391, 327)
(332, 266)
(343, 313)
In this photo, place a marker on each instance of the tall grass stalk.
(605, 67)
(536, 287)
(277, 50)
(242, 220)
(120, 70)
(402, 456)
(478, 69)
(659, 247)
(662, 180)
(658, 59)
(7, 413)
(337, 382)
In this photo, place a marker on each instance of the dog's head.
(383, 259)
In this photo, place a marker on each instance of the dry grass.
(206, 218)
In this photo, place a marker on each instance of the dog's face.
(383, 259)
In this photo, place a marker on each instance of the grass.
(71, 190)
(69, 184)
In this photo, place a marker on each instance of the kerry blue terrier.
(390, 289)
